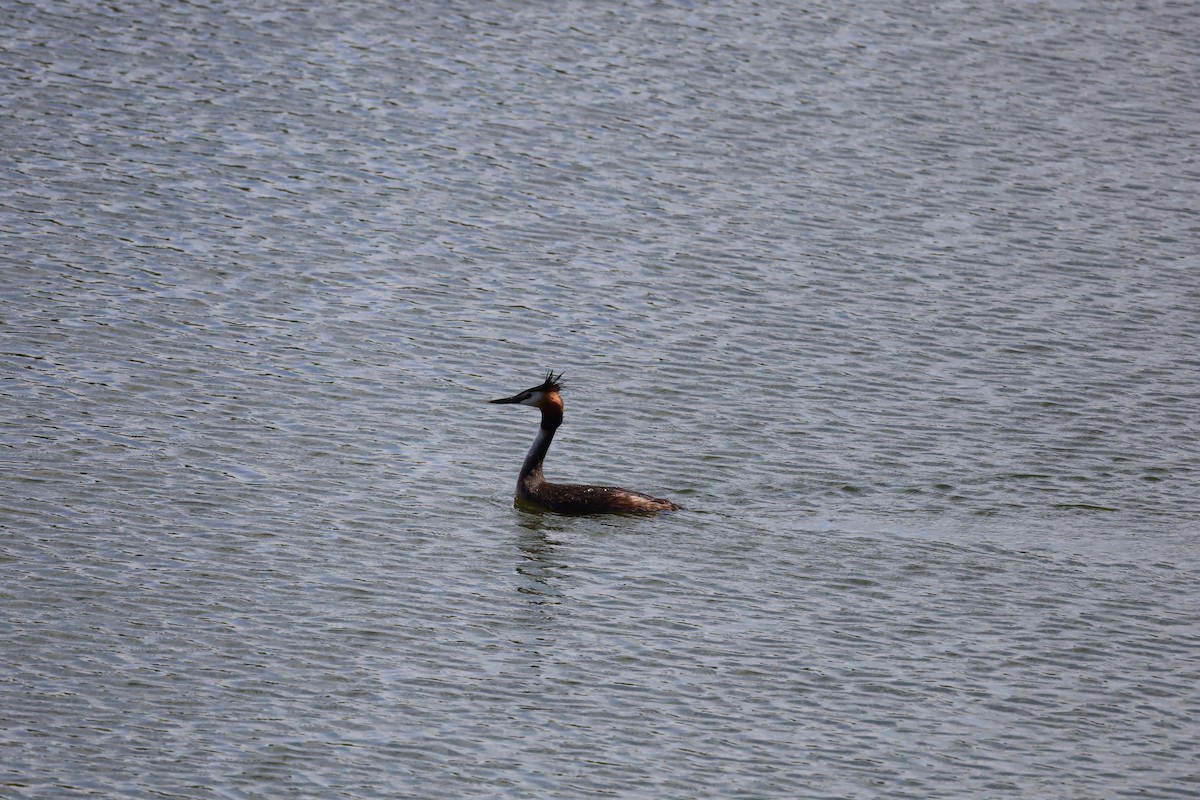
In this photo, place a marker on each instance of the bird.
(568, 498)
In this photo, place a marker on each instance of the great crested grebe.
(568, 498)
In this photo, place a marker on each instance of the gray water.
(899, 300)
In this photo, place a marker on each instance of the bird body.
(568, 498)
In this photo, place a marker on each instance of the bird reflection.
(538, 565)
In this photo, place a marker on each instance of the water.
(899, 302)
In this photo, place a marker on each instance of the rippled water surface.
(899, 300)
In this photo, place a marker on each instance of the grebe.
(568, 498)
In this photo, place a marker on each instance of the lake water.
(901, 301)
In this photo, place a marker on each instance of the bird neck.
(532, 467)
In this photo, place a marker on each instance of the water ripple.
(900, 305)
